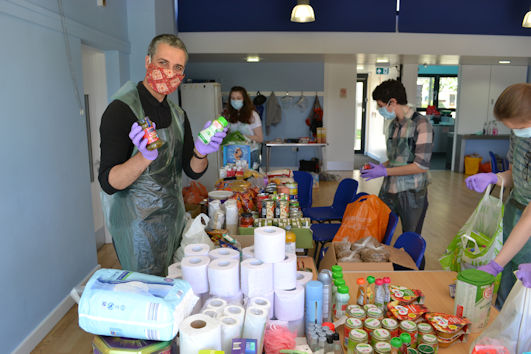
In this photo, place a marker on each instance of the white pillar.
(409, 80)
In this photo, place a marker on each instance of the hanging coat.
(273, 112)
(315, 118)
(146, 220)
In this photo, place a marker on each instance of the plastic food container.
(382, 347)
(370, 324)
(411, 328)
(115, 345)
(380, 335)
(355, 337)
(350, 324)
(391, 325)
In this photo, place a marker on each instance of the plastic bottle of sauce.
(361, 298)
(370, 289)
(406, 342)
(290, 241)
(335, 276)
(154, 142)
(379, 296)
(396, 343)
(217, 126)
(387, 282)
(342, 299)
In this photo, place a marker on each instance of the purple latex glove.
(492, 268)
(374, 172)
(137, 137)
(215, 142)
(524, 274)
(480, 181)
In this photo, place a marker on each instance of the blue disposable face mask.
(523, 133)
(236, 104)
(385, 113)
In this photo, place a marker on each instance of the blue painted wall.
(48, 243)
(263, 76)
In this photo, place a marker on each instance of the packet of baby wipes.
(128, 304)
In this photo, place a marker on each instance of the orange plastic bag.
(367, 216)
(194, 193)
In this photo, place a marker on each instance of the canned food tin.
(283, 206)
(293, 189)
(283, 196)
(268, 209)
(350, 324)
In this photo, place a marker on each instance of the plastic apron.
(146, 219)
(522, 195)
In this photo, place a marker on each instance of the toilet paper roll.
(303, 278)
(269, 244)
(224, 252)
(195, 272)
(297, 326)
(289, 304)
(210, 313)
(248, 252)
(196, 249)
(231, 327)
(174, 271)
(199, 332)
(285, 273)
(254, 326)
(224, 277)
(236, 311)
(256, 277)
(215, 303)
(262, 303)
(235, 299)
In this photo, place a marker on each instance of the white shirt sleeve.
(255, 121)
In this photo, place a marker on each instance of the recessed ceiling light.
(253, 59)
(382, 60)
(504, 62)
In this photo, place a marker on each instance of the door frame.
(364, 78)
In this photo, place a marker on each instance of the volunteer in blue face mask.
(243, 118)
(513, 109)
(409, 143)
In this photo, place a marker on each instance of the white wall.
(339, 112)
(409, 80)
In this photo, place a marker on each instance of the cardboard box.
(397, 256)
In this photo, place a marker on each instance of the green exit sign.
(382, 71)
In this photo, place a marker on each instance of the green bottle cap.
(405, 338)
(396, 342)
(342, 289)
(337, 275)
(370, 279)
(336, 268)
(339, 282)
(223, 121)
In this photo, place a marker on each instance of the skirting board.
(36, 336)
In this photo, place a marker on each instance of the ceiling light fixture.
(382, 60)
(302, 12)
(504, 62)
(253, 59)
(527, 20)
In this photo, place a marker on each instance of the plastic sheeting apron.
(146, 219)
(513, 211)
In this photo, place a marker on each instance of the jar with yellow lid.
(350, 324)
(382, 348)
(391, 325)
(380, 335)
(355, 337)
(364, 349)
(375, 312)
(370, 324)
(429, 339)
(410, 327)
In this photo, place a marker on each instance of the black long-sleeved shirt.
(116, 122)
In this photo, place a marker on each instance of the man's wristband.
(199, 157)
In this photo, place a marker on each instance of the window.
(439, 91)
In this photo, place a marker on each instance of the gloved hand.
(215, 142)
(137, 137)
(524, 274)
(480, 181)
(374, 171)
(492, 268)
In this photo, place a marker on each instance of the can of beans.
(268, 210)
(283, 206)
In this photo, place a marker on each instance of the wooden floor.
(450, 204)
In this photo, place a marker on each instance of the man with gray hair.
(141, 183)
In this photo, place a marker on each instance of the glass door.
(361, 112)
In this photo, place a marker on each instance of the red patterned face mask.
(163, 81)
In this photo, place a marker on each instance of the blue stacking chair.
(345, 193)
(494, 163)
(323, 233)
(414, 245)
(305, 185)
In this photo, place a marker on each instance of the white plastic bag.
(194, 232)
(512, 327)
